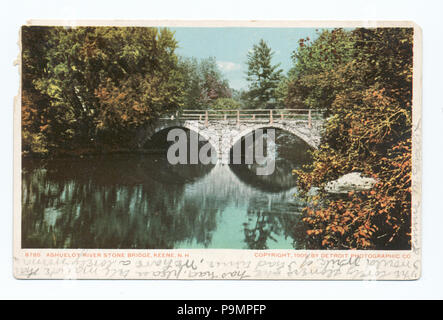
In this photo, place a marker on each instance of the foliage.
(92, 86)
(283, 92)
(35, 125)
(368, 131)
(241, 96)
(226, 104)
(203, 83)
(314, 80)
(263, 77)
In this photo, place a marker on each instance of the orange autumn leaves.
(379, 218)
(369, 131)
(87, 89)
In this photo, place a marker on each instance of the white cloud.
(228, 66)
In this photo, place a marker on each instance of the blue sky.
(231, 45)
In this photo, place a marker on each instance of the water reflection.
(290, 153)
(141, 201)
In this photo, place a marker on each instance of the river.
(140, 201)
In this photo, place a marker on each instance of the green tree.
(100, 83)
(204, 83)
(313, 81)
(192, 83)
(263, 77)
(226, 104)
(283, 95)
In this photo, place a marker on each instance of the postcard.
(228, 150)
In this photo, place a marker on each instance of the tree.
(313, 82)
(368, 131)
(241, 97)
(36, 117)
(192, 83)
(263, 77)
(284, 96)
(101, 83)
(214, 85)
(225, 104)
(204, 83)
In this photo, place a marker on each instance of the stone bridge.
(226, 127)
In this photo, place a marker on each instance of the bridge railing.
(253, 115)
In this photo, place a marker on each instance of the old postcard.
(218, 150)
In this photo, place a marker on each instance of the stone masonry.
(223, 134)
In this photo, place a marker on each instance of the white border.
(426, 16)
(222, 264)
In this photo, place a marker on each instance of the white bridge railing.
(253, 115)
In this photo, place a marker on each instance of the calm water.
(141, 201)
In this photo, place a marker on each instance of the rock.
(350, 182)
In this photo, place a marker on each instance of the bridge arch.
(291, 129)
(148, 132)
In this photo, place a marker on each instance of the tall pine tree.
(263, 77)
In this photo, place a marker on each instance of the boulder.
(353, 181)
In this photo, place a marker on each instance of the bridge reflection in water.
(141, 201)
